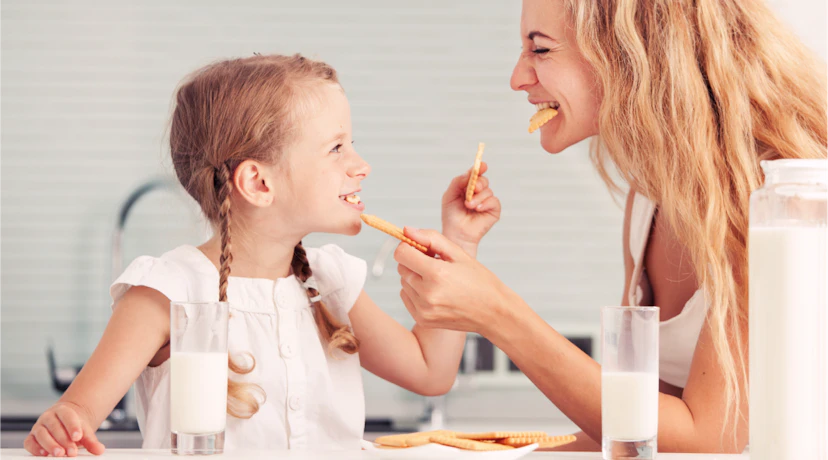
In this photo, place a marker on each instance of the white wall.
(808, 19)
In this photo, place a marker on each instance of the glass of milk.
(629, 382)
(198, 377)
(788, 311)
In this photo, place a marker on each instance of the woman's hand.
(466, 222)
(453, 292)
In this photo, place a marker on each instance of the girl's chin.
(350, 228)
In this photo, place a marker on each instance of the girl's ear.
(253, 182)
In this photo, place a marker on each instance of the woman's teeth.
(547, 105)
(546, 111)
(353, 199)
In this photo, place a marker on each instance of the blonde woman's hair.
(695, 94)
(229, 112)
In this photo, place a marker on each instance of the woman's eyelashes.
(539, 49)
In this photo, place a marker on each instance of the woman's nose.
(523, 75)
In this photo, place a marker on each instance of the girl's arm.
(138, 328)
(424, 361)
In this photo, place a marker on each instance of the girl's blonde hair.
(229, 112)
(695, 94)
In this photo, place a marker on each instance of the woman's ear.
(253, 182)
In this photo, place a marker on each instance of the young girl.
(264, 145)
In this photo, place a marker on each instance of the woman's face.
(552, 70)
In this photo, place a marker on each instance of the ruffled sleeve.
(162, 275)
(341, 276)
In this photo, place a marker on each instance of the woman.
(685, 98)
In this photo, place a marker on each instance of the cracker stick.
(392, 230)
(478, 160)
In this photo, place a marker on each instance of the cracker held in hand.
(544, 442)
(540, 118)
(478, 160)
(468, 444)
(392, 230)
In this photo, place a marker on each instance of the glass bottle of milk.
(788, 312)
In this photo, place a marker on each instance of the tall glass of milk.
(629, 382)
(788, 320)
(198, 377)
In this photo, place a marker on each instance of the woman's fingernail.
(479, 207)
(72, 452)
(76, 436)
(43, 452)
(413, 229)
(57, 452)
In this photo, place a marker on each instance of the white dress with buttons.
(313, 400)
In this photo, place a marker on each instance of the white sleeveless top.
(313, 399)
(678, 335)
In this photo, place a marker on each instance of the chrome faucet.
(378, 267)
(117, 250)
(434, 417)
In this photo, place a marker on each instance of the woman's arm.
(572, 381)
(460, 293)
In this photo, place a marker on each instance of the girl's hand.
(466, 222)
(59, 432)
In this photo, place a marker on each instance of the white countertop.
(136, 454)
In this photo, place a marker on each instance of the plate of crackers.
(501, 445)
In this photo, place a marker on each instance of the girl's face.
(552, 70)
(325, 172)
(306, 191)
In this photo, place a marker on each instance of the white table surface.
(140, 454)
